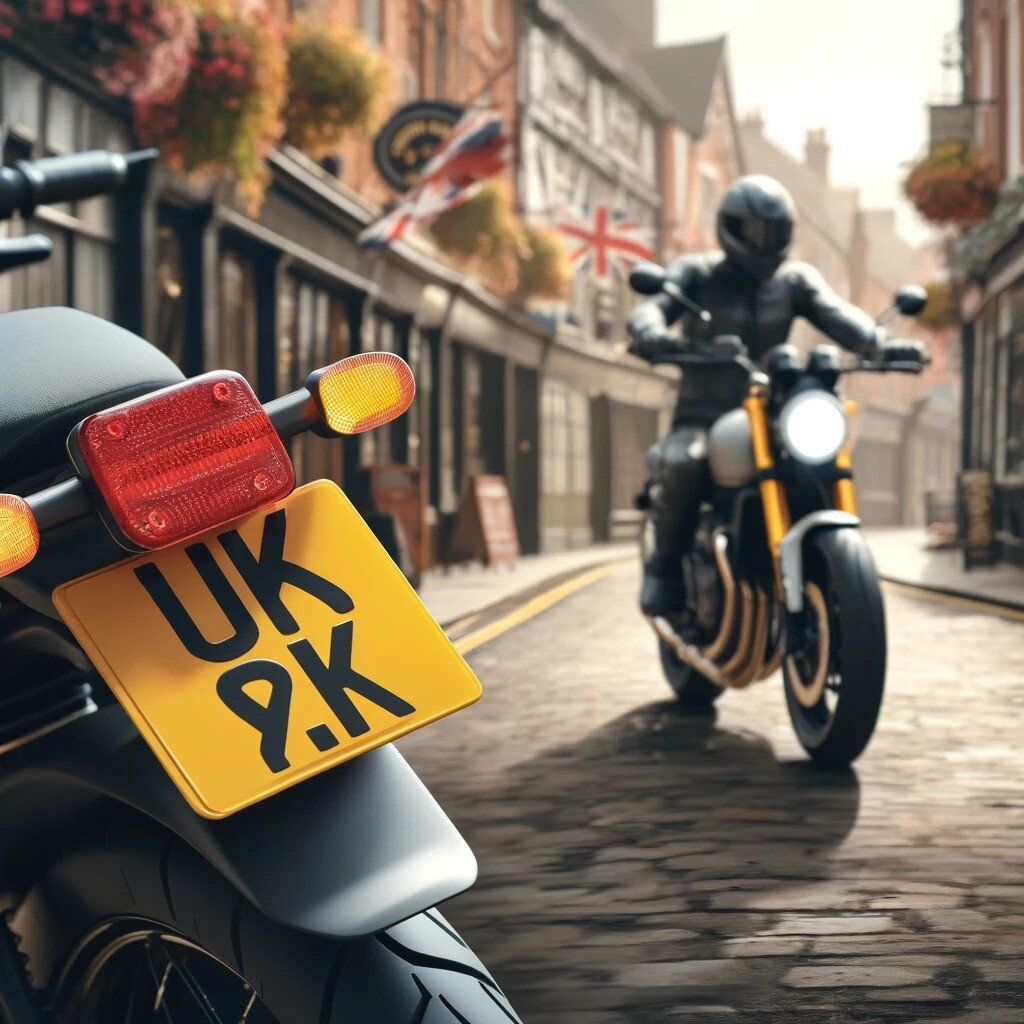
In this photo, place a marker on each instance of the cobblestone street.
(637, 865)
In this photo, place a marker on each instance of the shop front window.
(313, 333)
(565, 468)
(235, 344)
(39, 120)
(1015, 385)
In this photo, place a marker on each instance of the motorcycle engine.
(704, 592)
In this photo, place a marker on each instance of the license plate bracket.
(268, 651)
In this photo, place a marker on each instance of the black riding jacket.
(761, 313)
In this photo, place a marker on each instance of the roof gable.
(686, 74)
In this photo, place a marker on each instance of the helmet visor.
(761, 237)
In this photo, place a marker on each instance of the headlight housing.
(813, 427)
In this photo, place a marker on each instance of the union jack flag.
(477, 149)
(604, 240)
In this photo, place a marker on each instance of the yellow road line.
(539, 604)
(967, 603)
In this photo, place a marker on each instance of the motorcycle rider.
(753, 293)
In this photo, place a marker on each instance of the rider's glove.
(905, 350)
(649, 338)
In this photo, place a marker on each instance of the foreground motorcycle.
(201, 672)
(779, 574)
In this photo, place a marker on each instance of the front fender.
(791, 551)
(345, 854)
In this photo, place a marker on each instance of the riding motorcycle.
(778, 574)
(202, 670)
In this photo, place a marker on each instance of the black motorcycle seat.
(58, 366)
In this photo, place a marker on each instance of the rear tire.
(839, 726)
(695, 692)
(129, 888)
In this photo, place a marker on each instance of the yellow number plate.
(264, 653)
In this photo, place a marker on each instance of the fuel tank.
(730, 452)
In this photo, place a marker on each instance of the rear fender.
(345, 854)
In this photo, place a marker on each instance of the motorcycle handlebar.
(20, 252)
(57, 179)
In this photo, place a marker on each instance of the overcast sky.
(864, 69)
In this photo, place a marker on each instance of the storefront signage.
(485, 530)
(953, 123)
(977, 518)
(411, 136)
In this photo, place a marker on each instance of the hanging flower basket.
(940, 311)
(486, 221)
(226, 119)
(482, 236)
(544, 271)
(132, 47)
(335, 85)
(954, 185)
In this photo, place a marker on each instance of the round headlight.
(813, 427)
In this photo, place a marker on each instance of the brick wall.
(434, 49)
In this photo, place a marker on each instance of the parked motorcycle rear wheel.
(693, 690)
(130, 919)
(834, 717)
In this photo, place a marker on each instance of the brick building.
(988, 262)
(458, 50)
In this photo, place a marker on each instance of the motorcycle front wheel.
(131, 925)
(834, 687)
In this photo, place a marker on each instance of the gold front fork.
(773, 496)
(844, 494)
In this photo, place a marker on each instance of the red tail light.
(183, 460)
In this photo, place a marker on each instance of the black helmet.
(755, 224)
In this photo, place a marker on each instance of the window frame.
(74, 227)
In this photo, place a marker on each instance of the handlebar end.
(141, 156)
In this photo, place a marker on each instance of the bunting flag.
(477, 149)
(604, 241)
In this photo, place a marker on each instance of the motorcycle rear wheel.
(834, 692)
(131, 925)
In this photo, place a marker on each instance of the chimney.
(755, 119)
(816, 152)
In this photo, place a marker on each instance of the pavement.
(900, 554)
(466, 590)
(642, 866)
(902, 557)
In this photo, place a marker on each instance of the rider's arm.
(843, 322)
(649, 321)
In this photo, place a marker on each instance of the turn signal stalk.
(19, 534)
(362, 392)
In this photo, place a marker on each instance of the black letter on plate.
(334, 678)
(246, 632)
(271, 721)
(267, 574)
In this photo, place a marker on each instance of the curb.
(962, 595)
(462, 624)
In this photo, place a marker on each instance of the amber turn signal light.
(363, 391)
(19, 534)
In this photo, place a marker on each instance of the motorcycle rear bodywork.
(346, 854)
